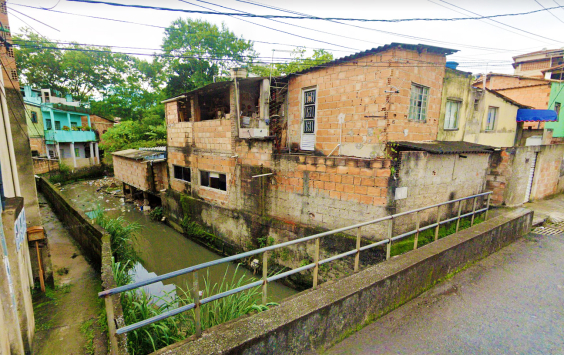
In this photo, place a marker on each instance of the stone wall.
(365, 94)
(316, 319)
(509, 173)
(44, 165)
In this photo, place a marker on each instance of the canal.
(162, 249)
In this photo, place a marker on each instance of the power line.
(501, 23)
(376, 30)
(289, 24)
(311, 17)
(550, 12)
(43, 23)
(278, 30)
(163, 27)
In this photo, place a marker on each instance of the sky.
(483, 45)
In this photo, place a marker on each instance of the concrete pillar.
(146, 206)
(97, 152)
(73, 155)
(89, 124)
(68, 118)
(58, 152)
(52, 119)
(92, 157)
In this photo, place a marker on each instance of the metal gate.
(531, 178)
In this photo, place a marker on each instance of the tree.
(298, 63)
(149, 132)
(196, 51)
(71, 69)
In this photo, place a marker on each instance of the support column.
(73, 155)
(68, 118)
(92, 154)
(58, 152)
(97, 152)
(146, 206)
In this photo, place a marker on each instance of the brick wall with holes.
(38, 144)
(42, 165)
(549, 171)
(535, 96)
(131, 172)
(364, 90)
(495, 82)
(498, 173)
(160, 174)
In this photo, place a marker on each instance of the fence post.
(357, 256)
(417, 221)
(264, 277)
(487, 207)
(390, 232)
(473, 211)
(459, 213)
(438, 222)
(316, 260)
(197, 304)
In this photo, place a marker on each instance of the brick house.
(249, 157)
(533, 64)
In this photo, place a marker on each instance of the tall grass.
(138, 305)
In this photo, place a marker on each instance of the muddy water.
(162, 248)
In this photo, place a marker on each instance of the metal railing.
(196, 305)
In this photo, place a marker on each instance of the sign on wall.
(20, 228)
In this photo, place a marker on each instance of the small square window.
(58, 125)
(182, 173)
(492, 117)
(33, 117)
(34, 153)
(213, 180)
(51, 154)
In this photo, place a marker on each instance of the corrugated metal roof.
(445, 147)
(416, 47)
(140, 154)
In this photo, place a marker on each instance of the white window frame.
(419, 93)
(451, 123)
(491, 126)
(304, 143)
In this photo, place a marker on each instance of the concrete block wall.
(179, 134)
(160, 175)
(38, 145)
(132, 172)
(372, 116)
(548, 172)
(213, 134)
(43, 165)
(536, 96)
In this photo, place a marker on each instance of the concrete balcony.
(69, 136)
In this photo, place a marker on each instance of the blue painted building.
(67, 133)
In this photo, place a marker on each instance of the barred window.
(14, 74)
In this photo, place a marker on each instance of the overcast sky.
(481, 43)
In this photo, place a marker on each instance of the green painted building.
(554, 103)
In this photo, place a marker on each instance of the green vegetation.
(138, 305)
(299, 62)
(156, 214)
(66, 176)
(428, 236)
(87, 329)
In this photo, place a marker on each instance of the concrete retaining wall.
(317, 318)
(95, 243)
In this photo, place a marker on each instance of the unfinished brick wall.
(160, 175)
(180, 134)
(213, 135)
(548, 172)
(38, 144)
(42, 165)
(497, 178)
(373, 116)
(131, 172)
(536, 96)
(496, 82)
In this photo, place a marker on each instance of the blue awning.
(527, 115)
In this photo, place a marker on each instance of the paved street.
(509, 303)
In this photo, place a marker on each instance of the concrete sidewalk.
(66, 319)
(509, 303)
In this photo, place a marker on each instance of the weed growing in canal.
(156, 214)
(122, 236)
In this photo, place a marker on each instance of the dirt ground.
(68, 319)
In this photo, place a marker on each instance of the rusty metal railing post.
(316, 261)
(459, 213)
(487, 207)
(438, 222)
(197, 305)
(264, 277)
(417, 222)
(390, 233)
(357, 255)
(473, 211)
